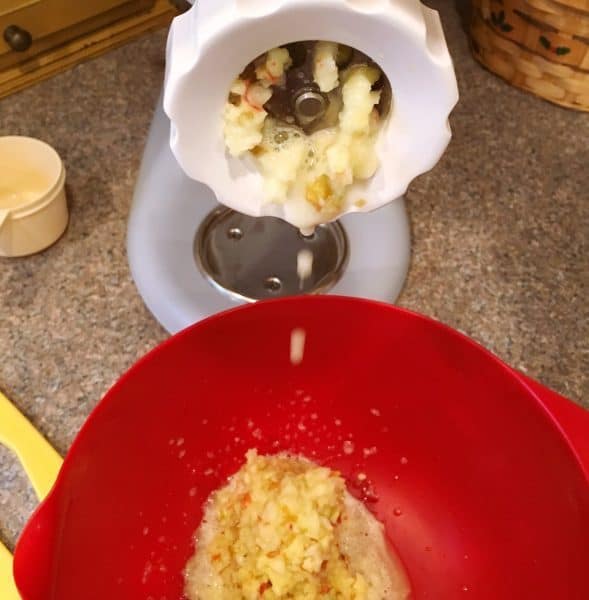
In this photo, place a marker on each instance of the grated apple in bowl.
(284, 527)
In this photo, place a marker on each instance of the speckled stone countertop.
(500, 228)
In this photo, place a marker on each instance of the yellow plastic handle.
(41, 464)
(7, 586)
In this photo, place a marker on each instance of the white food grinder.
(191, 256)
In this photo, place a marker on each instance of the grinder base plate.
(255, 258)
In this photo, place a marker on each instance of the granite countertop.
(500, 228)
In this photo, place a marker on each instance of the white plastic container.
(33, 207)
(210, 44)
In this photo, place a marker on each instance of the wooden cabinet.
(41, 37)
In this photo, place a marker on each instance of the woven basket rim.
(576, 4)
(578, 49)
(576, 7)
(525, 69)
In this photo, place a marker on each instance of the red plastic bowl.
(480, 490)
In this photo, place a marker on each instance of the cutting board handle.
(41, 464)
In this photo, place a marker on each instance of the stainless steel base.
(253, 259)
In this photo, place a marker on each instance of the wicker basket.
(538, 45)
